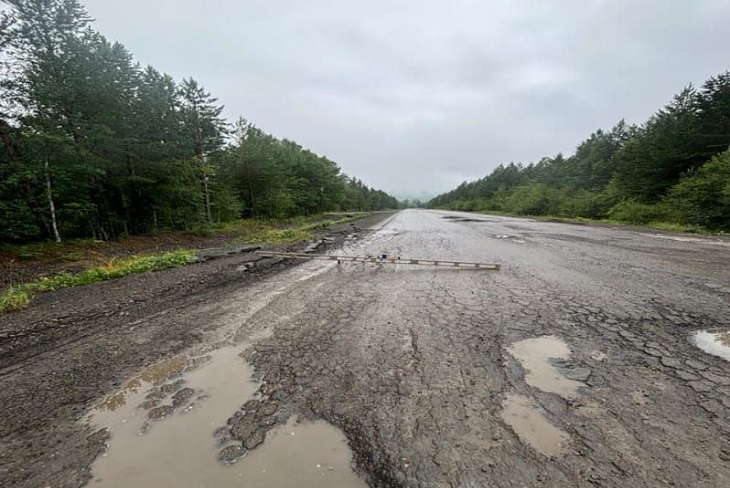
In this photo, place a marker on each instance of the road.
(574, 365)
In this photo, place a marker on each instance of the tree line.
(674, 168)
(95, 145)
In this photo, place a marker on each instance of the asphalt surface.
(571, 366)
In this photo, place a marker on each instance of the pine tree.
(202, 121)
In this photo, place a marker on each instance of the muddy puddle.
(162, 426)
(152, 375)
(532, 427)
(299, 455)
(545, 362)
(716, 343)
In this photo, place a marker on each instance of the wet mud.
(573, 366)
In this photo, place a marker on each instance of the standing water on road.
(307, 455)
(535, 355)
(717, 343)
(531, 426)
(162, 425)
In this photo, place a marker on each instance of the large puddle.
(532, 427)
(299, 455)
(538, 357)
(716, 343)
(162, 426)
(544, 360)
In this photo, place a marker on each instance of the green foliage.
(534, 199)
(127, 150)
(276, 236)
(322, 224)
(656, 172)
(586, 204)
(634, 212)
(19, 297)
(14, 299)
(702, 197)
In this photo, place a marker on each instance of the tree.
(201, 119)
(666, 147)
(94, 145)
(632, 173)
(702, 197)
(46, 37)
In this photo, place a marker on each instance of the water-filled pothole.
(538, 355)
(300, 454)
(532, 427)
(716, 343)
(162, 438)
(162, 425)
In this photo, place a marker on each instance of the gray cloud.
(418, 96)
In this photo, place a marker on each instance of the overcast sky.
(420, 95)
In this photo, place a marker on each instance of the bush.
(534, 199)
(634, 212)
(587, 204)
(702, 197)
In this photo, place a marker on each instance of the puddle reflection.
(715, 343)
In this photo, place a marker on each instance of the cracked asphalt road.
(414, 364)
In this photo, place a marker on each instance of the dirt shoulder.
(22, 264)
(74, 345)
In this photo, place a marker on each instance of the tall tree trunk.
(51, 204)
(203, 175)
(7, 140)
(206, 195)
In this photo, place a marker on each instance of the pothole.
(162, 434)
(162, 425)
(532, 427)
(302, 455)
(715, 343)
(546, 367)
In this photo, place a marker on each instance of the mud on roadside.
(23, 264)
(74, 345)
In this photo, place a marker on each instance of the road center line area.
(595, 356)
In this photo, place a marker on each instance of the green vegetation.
(93, 145)
(19, 297)
(276, 236)
(672, 172)
(249, 231)
(14, 299)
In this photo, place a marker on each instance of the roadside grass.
(668, 226)
(77, 250)
(691, 229)
(274, 236)
(20, 296)
(70, 251)
(251, 231)
(301, 229)
(332, 222)
(15, 298)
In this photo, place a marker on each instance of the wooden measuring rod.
(380, 260)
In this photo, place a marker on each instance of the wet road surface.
(593, 358)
